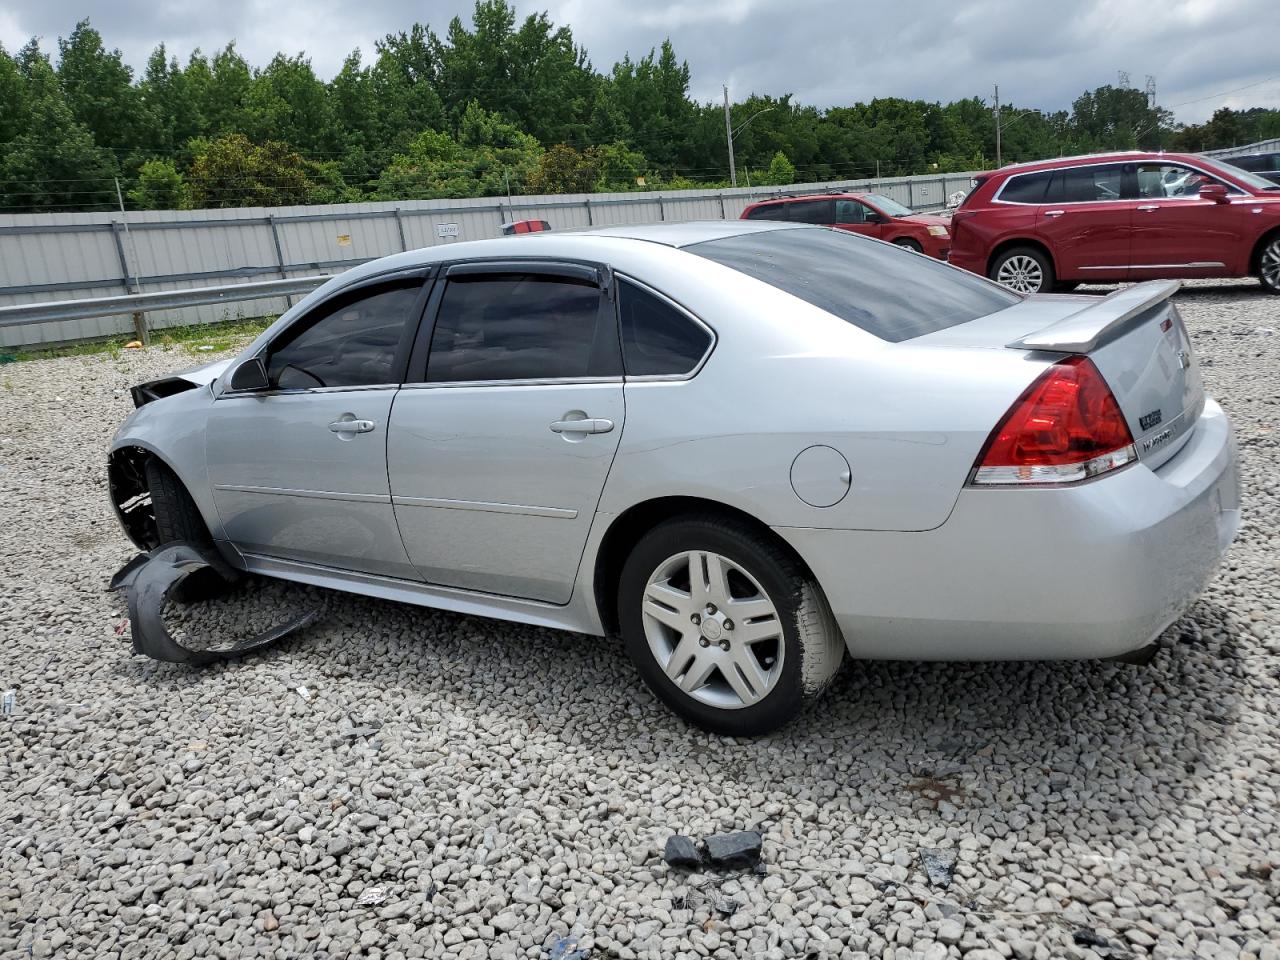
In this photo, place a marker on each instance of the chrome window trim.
(528, 382)
(300, 391)
(675, 304)
(482, 506)
(1231, 187)
(306, 494)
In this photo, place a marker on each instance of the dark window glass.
(851, 211)
(351, 341)
(1026, 188)
(889, 292)
(657, 339)
(812, 211)
(521, 327)
(770, 211)
(1091, 184)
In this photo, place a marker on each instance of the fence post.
(587, 203)
(662, 211)
(720, 195)
(404, 243)
(130, 280)
(275, 238)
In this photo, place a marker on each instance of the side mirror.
(873, 217)
(250, 375)
(1216, 192)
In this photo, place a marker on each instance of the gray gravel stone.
(487, 774)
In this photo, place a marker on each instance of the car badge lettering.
(1158, 440)
(1149, 420)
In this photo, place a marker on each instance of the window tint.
(657, 339)
(1165, 181)
(812, 211)
(351, 341)
(891, 293)
(1091, 184)
(1026, 188)
(769, 211)
(521, 327)
(851, 211)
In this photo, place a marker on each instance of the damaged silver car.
(745, 446)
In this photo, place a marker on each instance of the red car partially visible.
(870, 214)
(1109, 218)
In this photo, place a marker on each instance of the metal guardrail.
(23, 313)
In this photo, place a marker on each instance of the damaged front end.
(187, 605)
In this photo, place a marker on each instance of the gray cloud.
(826, 52)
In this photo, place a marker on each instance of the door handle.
(352, 426)
(582, 426)
(1149, 207)
(1054, 213)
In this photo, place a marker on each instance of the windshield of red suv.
(892, 207)
(1251, 180)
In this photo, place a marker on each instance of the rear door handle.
(1054, 213)
(351, 426)
(1148, 207)
(582, 426)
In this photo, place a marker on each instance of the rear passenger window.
(812, 211)
(770, 211)
(1026, 188)
(522, 327)
(1091, 184)
(349, 341)
(658, 339)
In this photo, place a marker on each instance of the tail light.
(1065, 427)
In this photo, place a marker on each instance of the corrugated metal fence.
(1262, 146)
(82, 255)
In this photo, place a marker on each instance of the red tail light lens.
(1066, 427)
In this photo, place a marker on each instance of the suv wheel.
(1023, 270)
(725, 627)
(1269, 265)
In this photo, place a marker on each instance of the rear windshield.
(890, 292)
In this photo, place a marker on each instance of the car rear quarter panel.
(785, 376)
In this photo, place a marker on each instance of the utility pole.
(728, 136)
(999, 164)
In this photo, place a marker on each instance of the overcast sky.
(826, 52)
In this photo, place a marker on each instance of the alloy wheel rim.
(1271, 265)
(713, 630)
(1021, 274)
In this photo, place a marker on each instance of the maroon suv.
(869, 214)
(1037, 227)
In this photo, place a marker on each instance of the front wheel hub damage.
(187, 605)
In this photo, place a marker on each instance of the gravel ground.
(398, 782)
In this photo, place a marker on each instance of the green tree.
(563, 169)
(53, 164)
(232, 171)
(781, 171)
(15, 116)
(286, 101)
(160, 187)
(98, 87)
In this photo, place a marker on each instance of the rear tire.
(177, 516)
(1023, 270)
(909, 245)
(1269, 265)
(739, 651)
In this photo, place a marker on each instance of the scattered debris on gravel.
(509, 790)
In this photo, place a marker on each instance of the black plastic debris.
(727, 907)
(1088, 937)
(939, 866)
(187, 605)
(734, 849)
(681, 852)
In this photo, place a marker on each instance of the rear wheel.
(725, 626)
(1023, 270)
(1269, 265)
(908, 244)
(176, 514)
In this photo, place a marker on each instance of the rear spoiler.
(1083, 330)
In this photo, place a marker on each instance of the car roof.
(1084, 159)
(683, 233)
(836, 194)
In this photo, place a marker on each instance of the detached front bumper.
(1091, 571)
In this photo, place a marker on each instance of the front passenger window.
(353, 340)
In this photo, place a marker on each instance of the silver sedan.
(746, 447)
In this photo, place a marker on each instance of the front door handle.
(1148, 207)
(1054, 213)
(589, 425)
(351, 426)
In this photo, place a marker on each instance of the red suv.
(869, 214)
(1050, 225)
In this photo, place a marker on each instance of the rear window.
(1026, 188)
(891, 293)
(768, 211)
